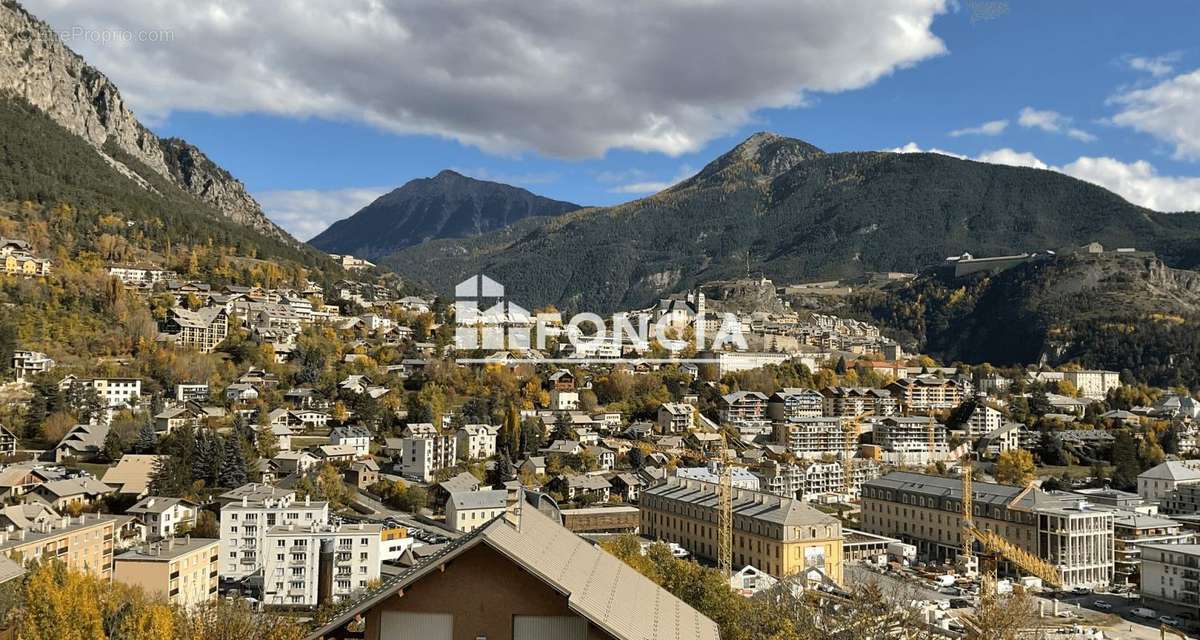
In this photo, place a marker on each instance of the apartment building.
(1093, 384)
(164, 517)
(16, 258)
(142, 277)
(1061, 529)
(469, 510)
(828, 478)
(778, 535)
(744, 408)
(356, 437)
(182, 571)
(245, 523)
(907, 440)
(675, 418)
(8, 442)
(26, 364)
(853, 402)
(114, 393)
(305, 565)
(423, 451)
(792, 403)
(202, 329)
(813, 437)
(927, 393)
(36, 532)
(983, 421)
(1159, 484)
(1171, 577)
(476, 441)
(1132, 531)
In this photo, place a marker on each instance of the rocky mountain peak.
(35, 65)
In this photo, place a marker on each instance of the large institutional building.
(781, 536)
(926, 511)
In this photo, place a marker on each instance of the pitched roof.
(756, 505)
(132, 472)
(1171, 470)
(607, 592)
(489, 499)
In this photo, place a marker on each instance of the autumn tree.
(1015, 467)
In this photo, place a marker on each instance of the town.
(317, 451)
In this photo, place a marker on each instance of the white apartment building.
(26, 364)
(301, 562)
(791, 402)
(676, 418)
(812, 437)
(423, 454)
(114, 393)
(823, 479)
(468, 510)
(244, 527)
(983, 420)
(1170, 575)
(906, 440)
(140, 277)
(163, 517)
(355, 437)
(1093, 384)
(476, 441)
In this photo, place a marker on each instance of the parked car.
(1170, 621)
(1143, 612)
(1102, 605)
(1081, 591)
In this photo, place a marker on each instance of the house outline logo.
(479, 325)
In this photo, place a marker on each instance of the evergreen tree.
(113, 446)
(171, 478)
(147, 439)
(233, 465)
(1125, 462)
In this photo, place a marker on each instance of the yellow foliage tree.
(1015, 467)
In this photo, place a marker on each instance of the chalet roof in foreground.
(607, 592)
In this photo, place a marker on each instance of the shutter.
(549, 628)
(403, 625)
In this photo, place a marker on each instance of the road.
(1116, 623)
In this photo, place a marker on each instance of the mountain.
(786, 209)
(1113, 310)
(36, 67)
(448, 205)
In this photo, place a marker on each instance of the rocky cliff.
(36, 66)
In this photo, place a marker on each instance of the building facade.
(182, 571)
(778, 535)
(1061, 529)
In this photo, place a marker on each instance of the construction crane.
(725, 513)
(996, 546)
(850, 433)
(968, 510)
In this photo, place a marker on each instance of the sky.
(320, 106)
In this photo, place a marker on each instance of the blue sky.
(599, 109)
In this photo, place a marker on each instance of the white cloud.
(570, 79)
(1169, 111)
(1157, 66)
(306, 212)
(1011, 157)
(1052, 122)
(913, 147)
(991, 128)
(1137, 182)
(654, 186)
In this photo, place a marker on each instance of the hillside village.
(340, 418)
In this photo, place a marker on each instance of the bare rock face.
(35, 65)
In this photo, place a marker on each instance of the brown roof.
(607, 592)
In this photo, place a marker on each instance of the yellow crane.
(725, 513)
(968, 510)
(993, 544)
(850, 433)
